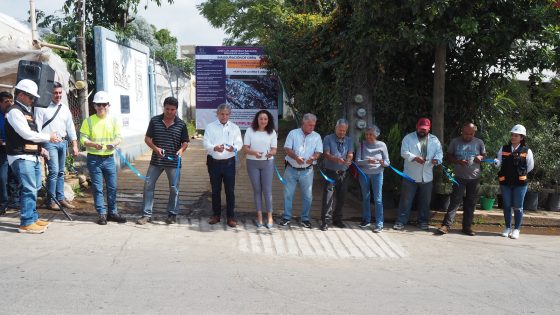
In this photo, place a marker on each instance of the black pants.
(222, 171)
(333, 196)
(471, 186)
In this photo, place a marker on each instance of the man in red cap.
(421, 151)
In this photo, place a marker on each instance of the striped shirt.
(168, 138)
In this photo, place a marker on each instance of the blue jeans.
(149, 186)
(3, 181)
(29, 174)
(408, 191)
(513, 197)
(222, 171)
(305, 179)
(103, 168)
(56, 164)
(375, 184)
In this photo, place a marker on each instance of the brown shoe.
(67, 205)
(443, 230)
(231, 222)
(32, 229)
(53, 206)
(468, 231)
(42, 223)
(214, 219)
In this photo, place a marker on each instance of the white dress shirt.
(17, 120)
(62, 123)
(411, 148)
(303, 146)
(217, 133)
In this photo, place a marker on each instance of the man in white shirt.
(222, 140)
(303, 147)
(421, 152)
(57, 118)
(23, 149)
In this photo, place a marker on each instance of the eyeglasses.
(102, 104)
(30, 96)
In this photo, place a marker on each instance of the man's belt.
(223, 161)
(300, 168)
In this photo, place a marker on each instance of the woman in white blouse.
(260, 145)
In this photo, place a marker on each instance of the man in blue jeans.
(303, 147)
(100, 134)
(168, 138)
(57, 117)
(421, 152)
(23, 149)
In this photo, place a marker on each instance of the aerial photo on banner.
(235, 76)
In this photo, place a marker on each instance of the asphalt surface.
(80, 268)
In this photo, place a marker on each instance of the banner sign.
(235, 76)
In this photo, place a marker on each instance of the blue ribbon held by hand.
(144, 178)
(282, 180)
(330, 180)
(361, 172)
(403, 175)
(449, 176)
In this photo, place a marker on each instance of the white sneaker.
(515, 234)
(506, 232)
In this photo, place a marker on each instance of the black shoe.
(116, 218)
(102, 220)
(324, 226)
(365, 224)
(339, 224)
(306, 224)
(283, 222)
(171, 219)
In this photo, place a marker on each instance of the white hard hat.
(28, 86)
(101, 97)
(519, 129)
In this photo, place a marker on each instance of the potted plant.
(488, 193)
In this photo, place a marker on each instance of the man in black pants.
(466, 153)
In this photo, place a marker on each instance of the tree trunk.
(438, 109)
(81, 51)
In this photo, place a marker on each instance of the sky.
(181, 18)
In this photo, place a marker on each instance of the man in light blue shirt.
(303, 147)
(421, 152)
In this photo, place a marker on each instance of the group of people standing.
(47, 131)
(421, 152)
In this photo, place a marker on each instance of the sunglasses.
(102, 104)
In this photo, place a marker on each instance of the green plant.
(191, 128)
(77, 189)
(392, 181)
(489, 191)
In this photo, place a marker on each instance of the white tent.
(16, 45)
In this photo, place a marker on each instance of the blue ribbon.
(361, 172)
(403, 175)
(282, 180)
(451, 178)
(144, 178)
(330, 180)
(177, 171)
(488, 161)
(234, 152)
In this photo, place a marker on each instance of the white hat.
(519, 129)
(28, 86)
(101, 97)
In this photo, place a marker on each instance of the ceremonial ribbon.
(144, 178)
(451, 178)
(403, 175)
(361, 172)
(332, 181)
(282, 180)
(177, 171)
(234, 152)
(488, 161)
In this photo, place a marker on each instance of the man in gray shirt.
(466, 153)
(338, 150)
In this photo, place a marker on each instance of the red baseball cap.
(423, 123)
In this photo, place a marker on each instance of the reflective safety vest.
(100, 130)
(513, 171)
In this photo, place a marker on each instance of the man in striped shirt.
(168, 138)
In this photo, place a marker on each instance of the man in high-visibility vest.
(100, 133)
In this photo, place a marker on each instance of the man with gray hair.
(303, 147)
(338, 150)
(222, 140)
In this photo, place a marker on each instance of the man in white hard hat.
(100, 133)
(57, 117)
(23, 149)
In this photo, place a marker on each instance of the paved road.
(79, 267)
